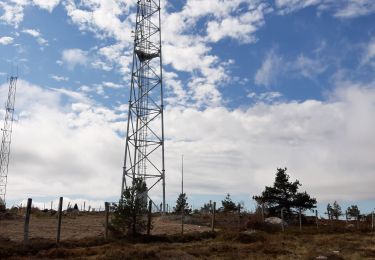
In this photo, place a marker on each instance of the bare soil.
(81, 226)
(82, 238)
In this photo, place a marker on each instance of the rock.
(321, 257)
(274, 221)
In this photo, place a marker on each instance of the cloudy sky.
(250, 86)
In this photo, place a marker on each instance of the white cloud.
(46, 4)
(73, 148)
(108, 84)
(320, 143)
(6, 40)
(32, 32)
(74, 57)
(270, 69)
(64, 144)
(13, 10)
(12, 13)
(275, 66)
(186, 50)
(308, 67)
(36, 34)
(355, 8)
(369, 53)
(340, 9)
(240, 28)
(265, 97)
(59, 78)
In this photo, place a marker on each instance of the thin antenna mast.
(7, 137)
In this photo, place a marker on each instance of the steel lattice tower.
(144, 149)
(7, 137)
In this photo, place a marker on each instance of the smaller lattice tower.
(7, 137)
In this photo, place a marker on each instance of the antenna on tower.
(7, 137)
(144, 148)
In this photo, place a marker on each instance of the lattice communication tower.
(7, 137)
(144, 149)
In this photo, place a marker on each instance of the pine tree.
(181, 203)
(336, 210)
(228, 205)
(353, 212)
(129, 213)
(284, 195)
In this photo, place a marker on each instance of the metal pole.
(182, 194)
(27, 221)
(59, 220)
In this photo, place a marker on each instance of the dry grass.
(82, 239)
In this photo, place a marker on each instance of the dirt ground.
(82, 238)
(81, 226)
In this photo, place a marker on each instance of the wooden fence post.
(59, 220)
(239, 217)
(372, 221)
(106, 219)
(149, 217)
(282, 220)
(316, 219)
(182, 219)
(262, 212)
(213, 217)
(27, 221)
(357, 220)
(300, 219)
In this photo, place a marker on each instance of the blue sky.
(251, 85)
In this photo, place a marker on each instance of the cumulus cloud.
(6, 40)
(74, 148)
(241, 28)
(184, 49)
(46, 4)
(74, 57)
(63, 144)
(13, 10)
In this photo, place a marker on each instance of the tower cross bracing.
(7, 137)
(144, 148)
